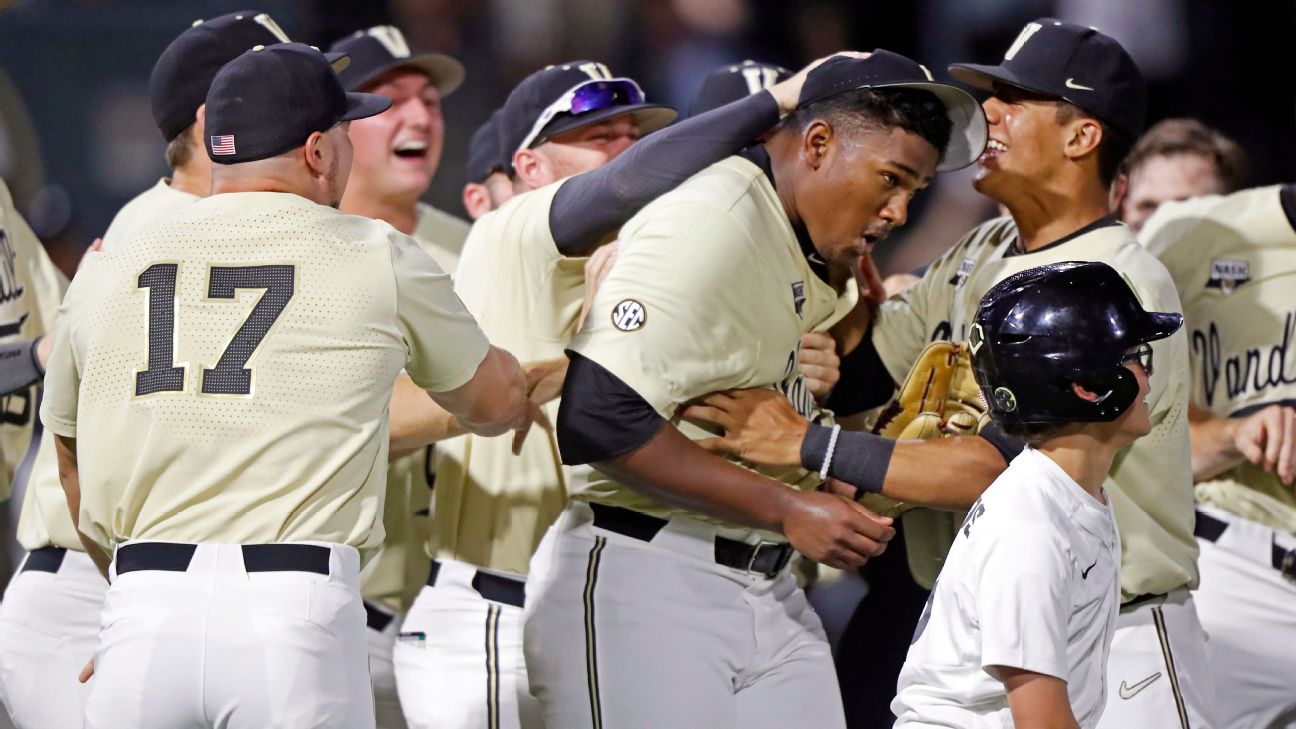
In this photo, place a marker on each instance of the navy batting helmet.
(1041, 330)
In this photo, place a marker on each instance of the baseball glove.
(938, 398)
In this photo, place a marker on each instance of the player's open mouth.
(993, 148)
(412, 149)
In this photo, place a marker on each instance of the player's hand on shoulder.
(788, 92)
(596, 269)
(834, 530)
(756, 425)
(820, 364)
(1267, 438)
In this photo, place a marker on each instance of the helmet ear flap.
(1116, 392)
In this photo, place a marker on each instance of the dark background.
(77, 139)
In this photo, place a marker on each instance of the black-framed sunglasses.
(1141, 354)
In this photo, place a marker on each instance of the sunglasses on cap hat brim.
(595, 101)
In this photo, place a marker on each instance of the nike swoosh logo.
(1128, 692)
(1071, 84)
(1084, 573)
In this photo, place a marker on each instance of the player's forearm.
(1037, 701)
(1214, 445)
(672, 469)
(20, 365)
(416, 420)
(70, 477)
(589, 208)
(494, 400)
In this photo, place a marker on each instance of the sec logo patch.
(629, 315)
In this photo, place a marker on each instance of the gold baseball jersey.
(45, 520)
(711, 291)
(145, 208)
(1150, 483)
(491, 508)
(442, 235)
(31, 288)
(1233, 259)
(395, 574)
(227, 371)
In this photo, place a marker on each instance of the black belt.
(173, 557)
(45, 559)
(1211, 529)
(377, 618)
(766, 558)
(497, 588)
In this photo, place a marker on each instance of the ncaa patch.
(1228, 275)
(799, 297)
(960, 277)
(629, 315)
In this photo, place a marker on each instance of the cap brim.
(446, 73)
(968, 130)
(649, 117)
(983, 77)
(361, 105)
(1160, 325)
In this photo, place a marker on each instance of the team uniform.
(1233, 260)
(143, 209)
(1031, 582)
(237, 513)
(391, 580)
(633, 618)
(52, 615)
(30, 290)
(1157, 631)
(459, 659)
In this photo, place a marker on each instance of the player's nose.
(896, 211)
(994, 109)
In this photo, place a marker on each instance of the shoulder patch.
(629, 315)
(1228, 275)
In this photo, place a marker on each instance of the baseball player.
(488, 185)
(1174, 160)
(186, 391)
(1067, 102)
(734, 81)
(1233, 259)
(32, 287)
(522, 274)
(53, 609)
(669, 563)
(396, 154)
(1016, 631)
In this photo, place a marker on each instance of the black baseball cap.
(733, 82)
(184, 71)
(271, 98)
(1075, 63)
(558, 99)
(379, 49)
(884, 69)
(484, 154)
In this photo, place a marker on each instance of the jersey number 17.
(229, 376)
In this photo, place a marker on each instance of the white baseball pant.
(645, 632)
(232, 636)
(459, 657)
(49, 625)
(1158, 674)
(1247, 603)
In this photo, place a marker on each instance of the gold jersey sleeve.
(31, 288)
(145, 208)
(1233, 260)
(710, 291)
(491, 507)
(1150, 482)
(442, 235)
(227, 371)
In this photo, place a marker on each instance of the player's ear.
(1084, 393)
(200, 121)
(318, 152)
(1116, 196)
(476, 200)
(1082, 136)
(815, 141)
(530, 167)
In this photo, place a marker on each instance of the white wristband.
(832, 446)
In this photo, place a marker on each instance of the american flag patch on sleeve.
(223, 144)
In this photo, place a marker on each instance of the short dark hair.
(1170, 137)
(1112, 149)
(1033, 434)
(180, 149)
(912, 110)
